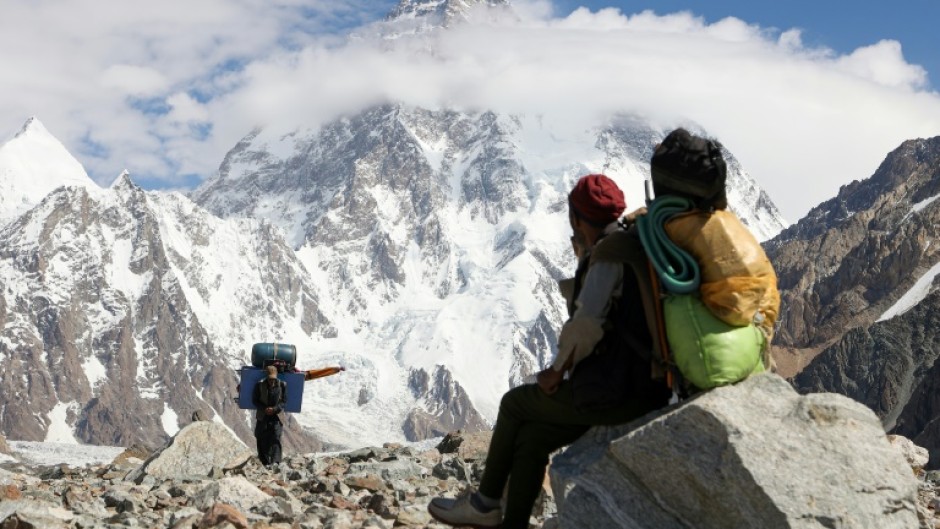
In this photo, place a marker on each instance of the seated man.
(610, 380)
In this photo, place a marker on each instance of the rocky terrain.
(374, 487)
(207, 478)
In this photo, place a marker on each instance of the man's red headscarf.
(597, 199)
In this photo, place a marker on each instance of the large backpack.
(704, 342)
(691, 348)
(683, 346)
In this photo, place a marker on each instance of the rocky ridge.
(859, 306)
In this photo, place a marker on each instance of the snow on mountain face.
(428, 247)
(420, 249)
(435, 238)
(32, 164)
(118, 318)
(438, 13)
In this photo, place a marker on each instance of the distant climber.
(269, 397)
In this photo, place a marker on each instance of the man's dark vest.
(624, 364)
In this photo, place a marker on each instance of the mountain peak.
(123, 180)
(34, 163)
(439, 12)
(32, 126)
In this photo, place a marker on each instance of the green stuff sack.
(708, 351)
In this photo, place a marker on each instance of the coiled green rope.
(677, 270)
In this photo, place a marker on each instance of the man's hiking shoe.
(461, 512)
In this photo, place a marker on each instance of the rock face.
(752, 455)
(851, 258)
(859, 301)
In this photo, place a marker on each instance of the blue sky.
(164, 90)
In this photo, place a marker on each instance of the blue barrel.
(263, 354)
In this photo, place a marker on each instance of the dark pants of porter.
(268, 433)
(530, 426)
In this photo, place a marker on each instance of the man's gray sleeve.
(581, 333)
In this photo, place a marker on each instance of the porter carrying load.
(284, 358)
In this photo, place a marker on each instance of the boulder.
(194, 451)
(756, 454)
(387, 470)
(234, 490)
(33, 514)
(468, 446)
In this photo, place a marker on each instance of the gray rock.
(417, 516)
(452, 468)
(751, 455)
(194, 451)
(364, 454)
(916, 456)
(275, 510)
(122, 501)
(184, 513)
(236, 491)
(388, 470)
(7, 477)
(31, 513)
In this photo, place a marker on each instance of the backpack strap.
(624, 246)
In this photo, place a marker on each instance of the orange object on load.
(739, 285)
(320, 373)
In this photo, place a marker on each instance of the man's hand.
(269, 411)
(549, 379)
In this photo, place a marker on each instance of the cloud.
(884, 64)
(802, 120)
(115, 79)
(133, 80)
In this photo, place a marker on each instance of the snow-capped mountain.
(439, 13)
(122, 312)
(32, 164)
(436, 237)
(420, 248)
